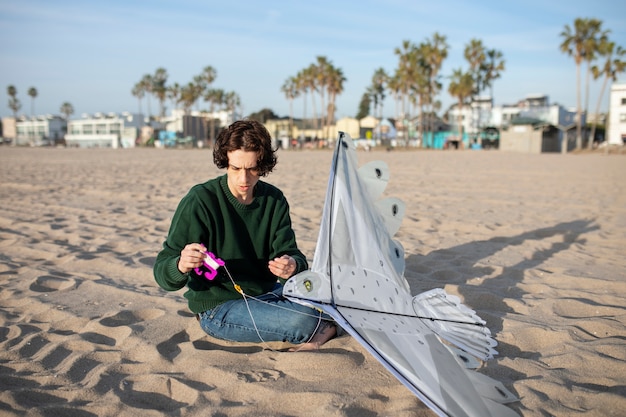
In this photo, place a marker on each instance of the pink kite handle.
(212, 263)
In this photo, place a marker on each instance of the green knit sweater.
(246, 237)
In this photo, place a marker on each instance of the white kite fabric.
(430, 341)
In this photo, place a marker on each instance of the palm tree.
(14, 102)
(173, 93)
(613, 66)
(232, 101)
(322, 71)
(493, 66)
(335, 88)
(302, 86)
(476, 54)
(205, 79)
(32, 92)
(578, 43)
(485, 66)
(310, 83)
(403, 73)
(188, 96)
(595, 38)
(215, 97)
(393, 85)
(378, 87)
(159, 89)
(364, 105)
(410, 81)
(139, 92)
(435, 51)
(209, 74)
(199, 86)
(405, 79)
(422, 86)
(461, 87)
(290, 89)
(67, 109)
(146, 86)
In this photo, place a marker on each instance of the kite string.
(256, 329)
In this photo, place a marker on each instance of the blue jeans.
(270, 316)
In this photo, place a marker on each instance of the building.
(9, 129)
(474, 117)
(617, 115)
(101, 130)
(39, 130)
(349, 125)
(537, 108)
(527, 135)
(298, 133)
(195, 127)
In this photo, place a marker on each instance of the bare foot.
(326, 332)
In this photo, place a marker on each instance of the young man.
(243, 223)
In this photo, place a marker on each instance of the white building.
(174, 122)
(617, 115)
(474, 117)
(535, 107)
(101, 130)
(482, 114)
(39, 130)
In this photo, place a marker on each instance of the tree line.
(587, 41)
(187, 95)
(15, 104)
(415, 83)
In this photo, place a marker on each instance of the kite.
(430, 342)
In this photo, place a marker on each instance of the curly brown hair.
(250, 136)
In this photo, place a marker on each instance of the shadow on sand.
(435, 270)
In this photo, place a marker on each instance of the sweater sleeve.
(165, 269)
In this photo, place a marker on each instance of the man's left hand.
(283, 267)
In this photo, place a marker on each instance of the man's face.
(243, 174)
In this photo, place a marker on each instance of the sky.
(91, 53)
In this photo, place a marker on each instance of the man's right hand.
(191, 257)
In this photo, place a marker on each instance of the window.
(115, 128)
(623, 101)
(87, 129)
(101, 129)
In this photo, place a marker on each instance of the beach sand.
(536, 244)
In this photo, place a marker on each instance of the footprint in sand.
(48, 283)
(169, 349)
(157, 392)
(129, 317)
(260, 376)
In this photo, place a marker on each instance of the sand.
(536, 244)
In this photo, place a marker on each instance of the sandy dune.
(536, 244)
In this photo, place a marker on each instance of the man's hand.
(283, 267)
(192, 256)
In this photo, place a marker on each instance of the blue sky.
(92, 53)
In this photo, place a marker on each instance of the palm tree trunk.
(590, 141)
(460, 121)
(593, 128)
(579, 139)
(290, 119)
